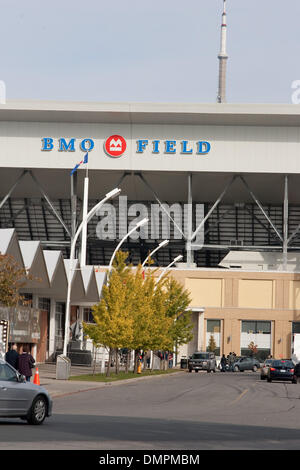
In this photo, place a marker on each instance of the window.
(7, 374)
(256, 327)
(44, 304)
(88, 315)
(213, 326)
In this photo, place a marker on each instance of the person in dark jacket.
(12, 356)
(223, 363)
(26, 362)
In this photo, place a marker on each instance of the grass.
(121, 376)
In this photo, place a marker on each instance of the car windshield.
(200, 356)
(283, 363)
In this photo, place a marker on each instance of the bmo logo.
(115, 145)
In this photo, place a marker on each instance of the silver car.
(21, 399)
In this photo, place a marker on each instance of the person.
(223, 363)
(26, 363)
(12, 356)
(231, 360)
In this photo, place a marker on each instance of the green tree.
(212, 344)
(12, 278)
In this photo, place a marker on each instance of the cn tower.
(223, 58)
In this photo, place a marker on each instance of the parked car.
(265, 368)
(297, 370)
(21, 399)
(282, 369)
(246, 363)
(202, 361)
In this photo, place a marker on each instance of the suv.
(202, 361)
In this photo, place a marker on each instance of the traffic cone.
(36, 379)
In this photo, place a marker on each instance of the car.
(201, 360)
(264, 369)
(246, 363)
(22, 399)
(282, 369)
(297, 370)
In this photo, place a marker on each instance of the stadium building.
(219, 181)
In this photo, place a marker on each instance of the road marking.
(240, 396)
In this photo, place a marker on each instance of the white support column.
(200, 339)
(52, 327)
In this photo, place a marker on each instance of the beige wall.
(233, 296)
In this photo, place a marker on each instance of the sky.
(141, 51)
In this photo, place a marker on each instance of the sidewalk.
(60, 388)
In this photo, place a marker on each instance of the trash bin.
(63, 367)
(183, 363)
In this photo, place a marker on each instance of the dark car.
(246, 363)
(282, 369)
(21, 399)
(202, 361)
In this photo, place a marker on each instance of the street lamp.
(138, 225)
(161, 245)
(112, 194)
(178, 258)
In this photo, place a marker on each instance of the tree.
(212, 344)
(253, 348)
(112, 314)
(177, 303)
(138, 313)
(12, 278)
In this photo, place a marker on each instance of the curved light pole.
(138, 225)
(178, 258)
(112, 194)
(161, 245)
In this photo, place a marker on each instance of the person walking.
(12, 356)
(223, 363)
(26, 363)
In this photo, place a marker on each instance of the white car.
(21, 399)
(264, 369)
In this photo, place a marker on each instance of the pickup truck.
(202, 361)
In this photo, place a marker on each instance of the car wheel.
(38, 411)
(294, 381)
(196, 371)
(254, 368)
(262, 377)
(269, 380)
(236, 369)
(190, 370)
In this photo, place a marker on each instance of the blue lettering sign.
(47, 143)
(141, 145)
(90, 144)
(170, 146)
(203, 147)
(64, 147)
(155, 146)
(184, 149)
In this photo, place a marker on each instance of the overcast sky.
(138, 50)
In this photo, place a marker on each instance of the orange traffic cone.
(36, 379)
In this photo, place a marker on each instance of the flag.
(85, 160)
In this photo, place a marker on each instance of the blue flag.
(85, 160)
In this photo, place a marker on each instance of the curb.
(104, 384)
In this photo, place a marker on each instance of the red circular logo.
(115, 145)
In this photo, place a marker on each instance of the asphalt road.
(185, 411)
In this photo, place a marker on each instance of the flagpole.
(84, 218)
